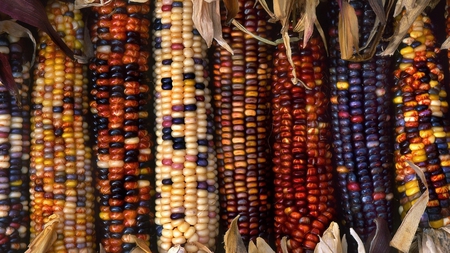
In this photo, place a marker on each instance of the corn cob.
(241, 98)
(60, 171)
(186, 187)
(304, 201)
(360, 129)
(422, 130)
(120, 33)
(14, 218)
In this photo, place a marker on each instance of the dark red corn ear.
(304, 196)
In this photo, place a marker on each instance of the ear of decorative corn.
(421, 127)
(120, 33)
(304, 201)
(186, 186)
(14, 142)
(360, 129)
(60, 171)
(241, 97)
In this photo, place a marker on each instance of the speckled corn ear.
(14, 149)
(120, 34)
(304, 203)
(360, 109)
(422, 128)
(60, 170)
(186, 186)
(241, 97)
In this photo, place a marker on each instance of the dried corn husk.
(404, 236)
(233, 242)
(141, 246)
(33, 13)
(206, 18)
(6, 78)
(411, 10)
(44, 240)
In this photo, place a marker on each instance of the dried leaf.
(176, 249)
(403, 26)
(344, 244)
(33, 13)
(405, 234)
(310, 19)
(263, 247)
(242, 28)
(263, 3)
(12, 28)
(202, 18)
(403, 4)
(7, 79)
(358, 241)
(434, 240)
(252, 247)
(287, 44)
(101, 249)
(201, 246)
(141, 246)
(283, 245)
(381, 237)
(348, 30)
(217, 27)
(446, 44)
(233, 239)
(330, 241)
(79, 4)
(378, 9)
(207, 21)
(45, 239)
(232, 7)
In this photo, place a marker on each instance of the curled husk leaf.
(283, 245)
(330, 241)
(411, 11)
(348, 31)
(45, 239)
(6, 77)
(233, 242)
(404, 236)
(206, 18)
(176, 249)
(232, 7)
(141, 246)
(33, 13)
(378, 240)
(433, 240)
(358, 240)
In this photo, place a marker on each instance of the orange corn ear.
(304, 202)
(241, 97)
(422, 128)
(60, 170)
(186, 184)
(120, 33)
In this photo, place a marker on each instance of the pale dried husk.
(80, 4)
(141, 246)
(233, 242)
(207, 21)
(404, 236)
(44, 240)
(411, 10)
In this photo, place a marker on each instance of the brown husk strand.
(241, 98)
(304, 204)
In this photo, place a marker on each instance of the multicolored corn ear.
(14, 149)
(361, 129)
(120, 94)
(422, 127)
(242, 103)
(60, 169)
(304, 203)
(187, 204)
